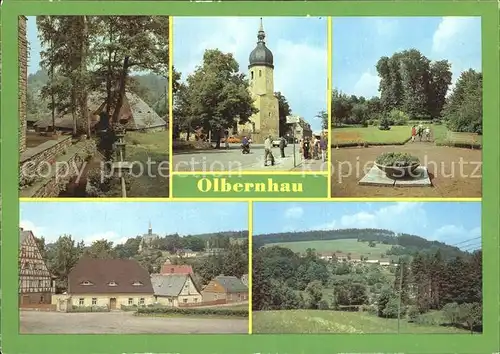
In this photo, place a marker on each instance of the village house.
(36, 285)
(385, 263)
(175, 290)
(186, 252)
(109, 283)
(228, 288)
(372, 261)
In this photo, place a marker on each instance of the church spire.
(261, 35)
(150, 229)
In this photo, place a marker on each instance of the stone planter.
(398, 171)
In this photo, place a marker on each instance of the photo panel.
(133, 268)
(366, 268)
(250, 94)
(93, 106)
(407, 107)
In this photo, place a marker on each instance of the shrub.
(89, 309)
(364, 124)
(397, 117)
(323, 305)
(212, 311)
(412, 313)
(396, 159)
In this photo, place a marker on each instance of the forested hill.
(402, 243)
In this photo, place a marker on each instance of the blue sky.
(450, 223)
(34, 46)
(117, 222)
(299, 46)
(359, 42)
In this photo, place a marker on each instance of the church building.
(147, 240)
(261, 79)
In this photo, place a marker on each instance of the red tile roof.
(176, 269)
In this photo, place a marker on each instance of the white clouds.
(367, 85)
(294, 212)
(109, 236)
(30, 226)
(300, 62)
(450, 32)
(454, 234)
(392, 217)
(386, 26)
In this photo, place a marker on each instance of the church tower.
(261, 79)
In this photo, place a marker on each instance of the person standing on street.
(282, 146)
(268, 154)
(322, 146)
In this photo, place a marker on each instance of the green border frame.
(488, 342)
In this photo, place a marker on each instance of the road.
(233, 160)
(124, 322)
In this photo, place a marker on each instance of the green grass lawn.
(371, 135)
(326, 321)
(344, 245)
(155, 147)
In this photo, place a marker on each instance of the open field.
(398, 135)
(326, 321)
(144, 147)
(124, 322)
(454, 172)
(344, 245)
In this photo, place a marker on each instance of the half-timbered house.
(35, 281)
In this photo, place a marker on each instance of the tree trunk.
(109, 93)
(121, 90)
(83, 71)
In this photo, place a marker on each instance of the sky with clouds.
(119, 221)
(299, 47)
(451, 223)
(35, 46)
(359, 42)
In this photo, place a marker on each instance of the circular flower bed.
(396, 164)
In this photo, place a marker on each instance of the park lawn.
(140, 148)
(327, 321)
(371, 135)
(342, 245)
(442, 136)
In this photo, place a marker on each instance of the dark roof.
(99, 273)
(261, 55)
(168, 285)
(231, 284)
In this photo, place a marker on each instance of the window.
(195, 299)
(94, 301)
(251, 74)
(112, 283)
(81, 301)
(86, 283)
(130, 301)
(260, 73)
(137, 283)
(141, 301)
(185, 301)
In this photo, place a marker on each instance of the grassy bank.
(327, 321)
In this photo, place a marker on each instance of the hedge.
(366, 144)
(192, 311)
(88, 309)
(462, 145)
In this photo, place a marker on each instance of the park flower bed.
(152, 311)
(396, 159)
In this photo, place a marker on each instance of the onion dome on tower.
(261, 55)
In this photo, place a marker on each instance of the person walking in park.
(322, 145)
(420, 131)
(268, 154)
(413, 133)
(427, 133)
(282, 146)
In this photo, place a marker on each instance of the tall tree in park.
(402, 280)
(219, 93)
(464, 107)
(284, 110)
(100, 249)
(341, 108)
(411, 83)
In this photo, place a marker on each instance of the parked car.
(276, 143)
(233, 140)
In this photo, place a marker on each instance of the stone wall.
(66, 165)
(45, 153)
(23, 77)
